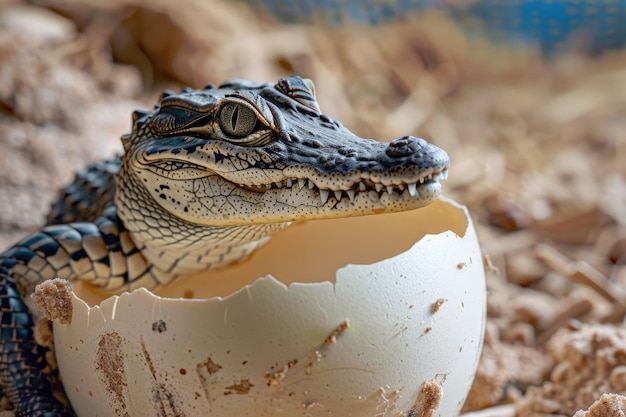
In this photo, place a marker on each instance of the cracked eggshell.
(365, 343)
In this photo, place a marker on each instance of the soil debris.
(54, 298)
(428, 400)
(332, 338)
(609, 405)
(437, 304)
(589, 362)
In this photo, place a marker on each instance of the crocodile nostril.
(400, 142)
(404, 146)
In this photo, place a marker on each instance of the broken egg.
(396, 332)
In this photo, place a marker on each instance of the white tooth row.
(288, 183)
(406, 190)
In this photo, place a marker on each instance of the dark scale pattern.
(57, 251)
(85, 198)
(26, 378)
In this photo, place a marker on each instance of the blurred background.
(527, 97)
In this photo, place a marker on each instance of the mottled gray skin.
(289, 163)
(206, 177)
(199, 173)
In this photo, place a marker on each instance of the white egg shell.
(362, 344)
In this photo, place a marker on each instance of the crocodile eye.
(236, 120)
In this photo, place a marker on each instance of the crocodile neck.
(175, 246)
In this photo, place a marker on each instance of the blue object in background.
(553, 26)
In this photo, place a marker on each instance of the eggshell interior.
(316, 338)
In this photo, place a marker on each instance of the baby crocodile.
(206, 177)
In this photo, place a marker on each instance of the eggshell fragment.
(367, 342)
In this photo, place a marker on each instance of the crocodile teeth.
(278, 184)
(412, 189)
(301, 182)
(362, 187)
(390, 189)
(337, 195)
(378, 187)
(289, 182)
(324, 195)
(311, 185)
(350, 195)
(443, 175)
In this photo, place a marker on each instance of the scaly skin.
(206, 178)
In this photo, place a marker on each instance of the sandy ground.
(537, 151)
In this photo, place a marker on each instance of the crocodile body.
(206, 177)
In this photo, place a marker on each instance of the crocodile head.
(248, 153)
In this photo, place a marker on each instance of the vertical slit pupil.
(234, 117)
